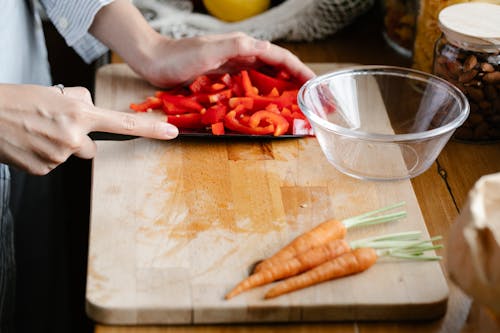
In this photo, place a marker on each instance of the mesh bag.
(292, 20)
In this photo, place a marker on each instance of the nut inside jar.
(472, 63)
(478, 76)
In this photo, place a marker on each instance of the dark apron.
(7, 262)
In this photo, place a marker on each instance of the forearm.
(122, 28)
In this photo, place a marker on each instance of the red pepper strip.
(226, 79)
(260, 102)
(237, 86)
(279, 122)
(200, 84)
(290, 94)
(247, 102)
(218, 128)
(217, 86)
(285, 112)
(179, 101)
(214, 114)
(150, 103)
(220, 96)
(274, 92)
(273, 108)
(211, 98)
(248, 88)
(232, 123)
(266, 83)
(186, 121)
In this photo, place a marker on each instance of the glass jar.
(399, 24)
(469, 57)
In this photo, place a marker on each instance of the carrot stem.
(400, 236)
(371, 217)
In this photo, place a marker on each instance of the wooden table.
(441, 192)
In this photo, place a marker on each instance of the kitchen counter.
(441, 191)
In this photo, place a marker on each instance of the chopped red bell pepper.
(200, 84)
(150, 103)
(214, 114)
(217, 86)
(256, 102)
(279, 122)
(178, 102)
(232, 123)
(247, 85)
(247, 102)
(186, 120)
(218, 128)
(266, 83)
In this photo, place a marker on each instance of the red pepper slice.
(232, 123)
(186, 121)
(247, 102)
(247, 85)
(200, 84)
(217, 86)
(266, 83)
(279, 122)
(220, 96)
(178, 102)
(150, 103)
(214, 114)
(218, 128)
(213, 97)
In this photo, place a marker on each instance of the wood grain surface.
(440, 192)
(175, 225)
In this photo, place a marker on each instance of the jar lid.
(475, 23)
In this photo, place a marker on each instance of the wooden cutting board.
(176, 224)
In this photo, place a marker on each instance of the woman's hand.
(177, 61)
(166, 62)
(40, 127)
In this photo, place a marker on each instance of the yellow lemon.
(235, 10)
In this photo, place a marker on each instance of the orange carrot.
(327, 231)
(355, 261)
(298, 264)
(321, 234)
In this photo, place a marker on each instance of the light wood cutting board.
(175, 225)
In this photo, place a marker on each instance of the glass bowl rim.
(392, 71)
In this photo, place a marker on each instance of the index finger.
(110, 121)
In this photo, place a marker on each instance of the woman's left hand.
(178, 61)
(166, 62)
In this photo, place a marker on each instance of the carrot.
(327, 231)
(355, 261)
(298, 264)
(320, 254)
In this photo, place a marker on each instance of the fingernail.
(170, 130)
(261, 44)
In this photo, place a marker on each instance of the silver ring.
(61, 87)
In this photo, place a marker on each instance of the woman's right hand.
(40, 127)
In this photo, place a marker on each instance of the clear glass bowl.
(382, 122)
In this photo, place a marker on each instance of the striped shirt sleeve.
(72, 18)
